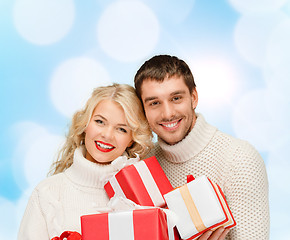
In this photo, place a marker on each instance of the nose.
(167, 111)
(107, 132)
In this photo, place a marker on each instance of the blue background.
(53, 52)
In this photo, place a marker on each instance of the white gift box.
(200, 205)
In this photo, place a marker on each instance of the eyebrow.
(171, 94)
(177, 92)
(118, 124)
(150, 99)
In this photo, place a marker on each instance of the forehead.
(169, 86)
(110, 110)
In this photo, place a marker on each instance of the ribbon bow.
(118, 164)
(117, 204)
(123, 161)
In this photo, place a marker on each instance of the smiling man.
(187, 144)
(171, 112)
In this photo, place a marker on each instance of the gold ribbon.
(191, 208)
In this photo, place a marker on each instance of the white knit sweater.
(233, 164)
(57, 203)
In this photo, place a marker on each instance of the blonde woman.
(111, 124)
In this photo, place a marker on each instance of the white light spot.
(73, 82)
(257, 6)
(278, 82)
(254, 117)
(8, 220)
(36, 150)
(128, 30)
(215, 79)
(40, 155)
(278, 175)
(176, 11)
(43, 22)
(278, 52)
(252, 34)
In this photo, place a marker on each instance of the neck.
(192, 144)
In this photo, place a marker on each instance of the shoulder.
(237, 145)
(245, 151)
(244, 157)
(46, 192)
(50, 184)
(237, 155)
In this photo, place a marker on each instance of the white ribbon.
(150, 184)
(118, 164)
(121, 225)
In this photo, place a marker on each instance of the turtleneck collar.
(86, 173)
(192, 144)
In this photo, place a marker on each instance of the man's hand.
(218, 234)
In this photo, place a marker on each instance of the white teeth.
(170, 125)
(104, 146)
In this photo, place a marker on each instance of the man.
(187, 144)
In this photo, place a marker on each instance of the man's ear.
(194, 98)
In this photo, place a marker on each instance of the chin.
(172, 140)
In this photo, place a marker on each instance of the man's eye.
(176, 98)
(154, 103)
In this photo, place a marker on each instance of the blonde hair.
(122, 94)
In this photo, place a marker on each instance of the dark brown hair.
(163, 66)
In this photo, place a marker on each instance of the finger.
(205, 235)
(225, 232)
(217, 233)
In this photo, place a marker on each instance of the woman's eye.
(99, 121)
(123, 130)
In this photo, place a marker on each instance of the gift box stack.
(198, 206)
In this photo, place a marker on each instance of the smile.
(104, 147)
(171, 125)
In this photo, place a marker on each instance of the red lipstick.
(104, 147)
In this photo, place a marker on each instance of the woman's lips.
(104, 147)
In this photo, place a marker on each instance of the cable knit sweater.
(57, 203)
(233, 164)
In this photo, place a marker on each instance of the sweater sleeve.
(247, 195)
(33, 225)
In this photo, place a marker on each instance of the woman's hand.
(218, 234)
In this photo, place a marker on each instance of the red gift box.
(144, 183)
(139, 224)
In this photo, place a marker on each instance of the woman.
(111, 125)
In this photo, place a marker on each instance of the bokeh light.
(73, 82)
(43, 21)
(128, 30)
(257, 6)
(252, 35)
